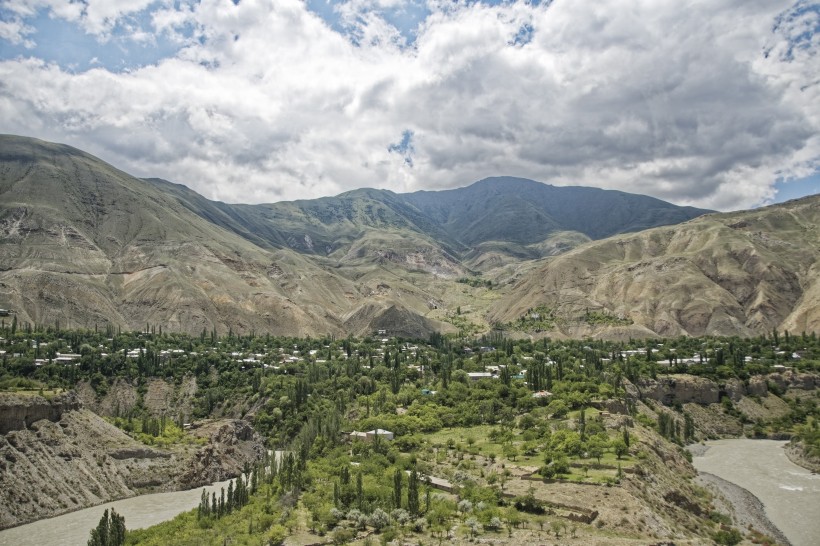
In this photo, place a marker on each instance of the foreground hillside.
(740, 273)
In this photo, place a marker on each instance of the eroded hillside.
(741, 273)
(57, 456)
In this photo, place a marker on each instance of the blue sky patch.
(404, 147)
(68, 45)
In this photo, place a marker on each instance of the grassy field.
(475, 444)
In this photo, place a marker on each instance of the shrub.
(729, 537)
(343, 536)
(276, 535)
(379, 519)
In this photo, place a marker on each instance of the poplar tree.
(110, 531)
(359, 491)
(413, 493)
(397, 479)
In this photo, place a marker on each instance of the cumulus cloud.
(97, 17)
(706, 104)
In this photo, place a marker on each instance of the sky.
(711, 103)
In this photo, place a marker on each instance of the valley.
(527, 441)
(409, 273)
(509, 363)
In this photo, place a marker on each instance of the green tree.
(582, 424)
(110, 531)
(359, 491)
(596, 448)
(413, 493)
(397, 480)
(619, 447)
(510, 452)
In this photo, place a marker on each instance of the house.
(436, 483)
(541, 394)
(475, 376)
(381, 433)
(356, 435)
(67, 357)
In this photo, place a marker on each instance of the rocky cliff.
(683, 389)
(158, 397)
(56, 456)
(752, 406)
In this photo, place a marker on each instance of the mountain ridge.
(83, 243)
(444, 215)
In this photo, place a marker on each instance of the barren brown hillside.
(725, 274)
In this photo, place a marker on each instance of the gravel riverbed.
(746, 509)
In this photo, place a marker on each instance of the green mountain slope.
(509, 218)
(522, 211)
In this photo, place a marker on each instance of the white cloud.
(699, 103)
(97, 17)
(16, 31)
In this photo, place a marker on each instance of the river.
(790, 494)
(74, 528)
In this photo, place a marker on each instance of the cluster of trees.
(351, 373)
(211, 506)
(670, 428)
(476, 282)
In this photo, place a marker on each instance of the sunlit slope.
(739, 273)
(82, 243)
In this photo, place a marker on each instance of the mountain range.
(83, 244)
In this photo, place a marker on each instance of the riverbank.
(746, 510)
(75, 527)
(796, 455)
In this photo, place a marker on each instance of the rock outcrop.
(684, 389)
(231, 443)
(160, 398)
(18, 411)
